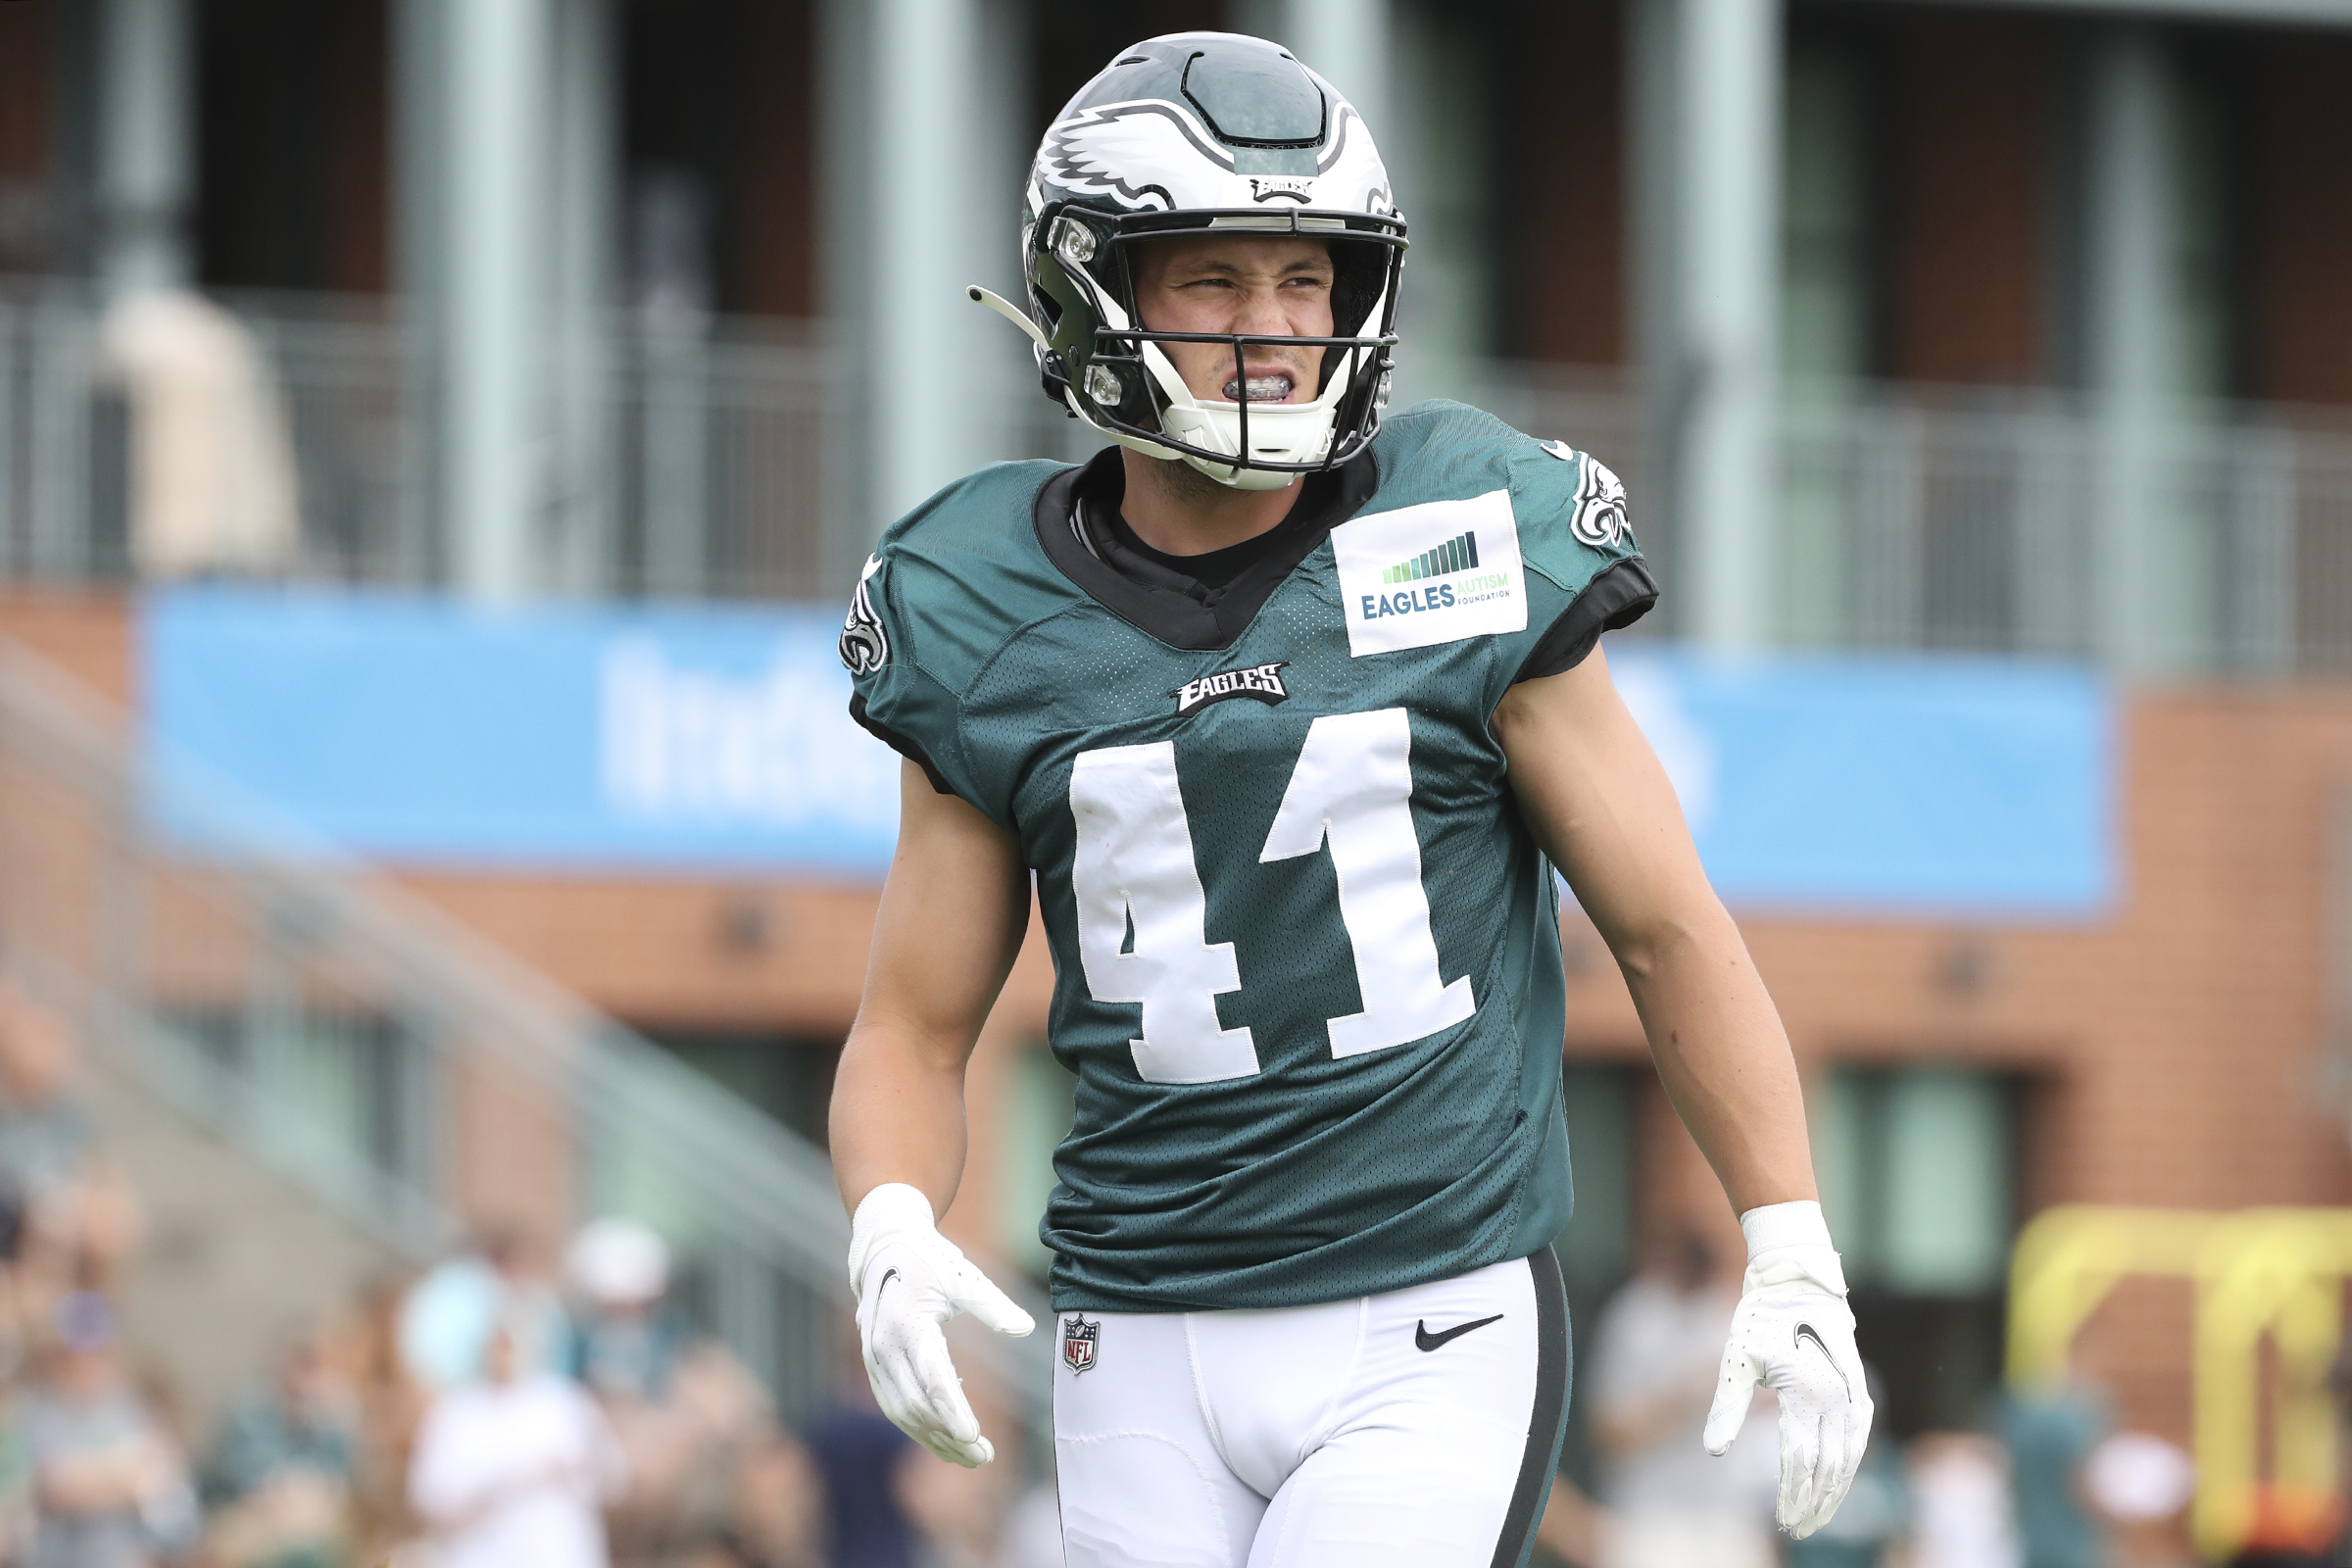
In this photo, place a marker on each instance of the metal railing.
(362, 1043)
(677, 466)
(2015, 521)
(714, 464)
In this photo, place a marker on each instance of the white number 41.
(1351, 788)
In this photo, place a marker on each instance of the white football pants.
(1417, 1429)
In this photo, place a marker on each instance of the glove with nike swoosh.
(910, 1281)
(1794, 1334)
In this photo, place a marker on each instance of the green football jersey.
(1306, 954)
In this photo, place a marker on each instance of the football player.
(1291, 709)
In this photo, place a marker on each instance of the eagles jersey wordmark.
(1306, 954)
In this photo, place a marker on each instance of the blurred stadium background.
(436, 437)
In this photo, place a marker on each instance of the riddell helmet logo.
(1263, 682)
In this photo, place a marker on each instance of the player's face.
(1262, 288)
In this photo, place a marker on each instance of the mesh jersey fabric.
(1311, 1176)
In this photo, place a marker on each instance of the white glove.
(910, 1281)
(1794, 1334)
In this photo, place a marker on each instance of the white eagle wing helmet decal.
(1352, 177)
(1103, 151)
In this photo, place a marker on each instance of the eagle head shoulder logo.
(864, 645)
(1599, 517)
(1081, 1341)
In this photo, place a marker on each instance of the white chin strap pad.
(1279, 432)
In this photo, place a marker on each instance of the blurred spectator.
(515, 1469)
(212, 468)
(955, 1512)
(2143, 1486)
(2050, 1434)
(280, 1477)
(623, 1343)
(111, 1488)
(778, 1513)
(694, 1444)
(450, 1314)
(857, 1453)
(69, 1216)
(391, 1406)
(1961, 1515)
(697, 1431)
(1656, 1352)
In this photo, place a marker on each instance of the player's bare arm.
(951, 924)
(1602, 808)
(953, 915)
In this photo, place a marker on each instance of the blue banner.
(416, 730)
(1886, 785)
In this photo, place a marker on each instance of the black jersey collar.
(1162, 603)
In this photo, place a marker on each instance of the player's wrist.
(1791, 1241)
(893, 1208)
(1794, 1224)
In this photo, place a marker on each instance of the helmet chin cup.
(1240, 479)
(1279, 432)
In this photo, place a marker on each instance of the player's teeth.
(1262, 389)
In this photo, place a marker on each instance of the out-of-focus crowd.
(504, 1408)
(2041, 1480)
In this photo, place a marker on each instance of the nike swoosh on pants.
(1430, 1341)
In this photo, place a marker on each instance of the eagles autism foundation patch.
(1432, 574)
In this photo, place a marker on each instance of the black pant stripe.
(1547, 1422)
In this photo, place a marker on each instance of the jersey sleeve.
(1585, 571)
(891, 695)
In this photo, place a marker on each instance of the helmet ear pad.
(1072, 313)
(1360, 278)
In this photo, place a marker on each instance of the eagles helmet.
(1195, 134)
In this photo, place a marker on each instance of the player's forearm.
(951, 924)
(898, 1112)
(1722, 1055)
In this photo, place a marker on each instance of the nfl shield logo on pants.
(1078, 1341)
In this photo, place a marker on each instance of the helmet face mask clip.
(1209, 134)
